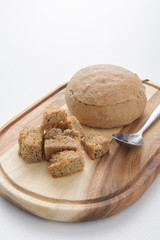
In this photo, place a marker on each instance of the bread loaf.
(105, 96)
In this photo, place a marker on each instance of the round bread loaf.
(105, 96)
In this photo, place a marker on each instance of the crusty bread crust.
(105, 96)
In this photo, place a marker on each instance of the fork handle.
(151, 120)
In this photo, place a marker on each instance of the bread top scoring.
(104, 84)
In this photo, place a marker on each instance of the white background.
(42, 44)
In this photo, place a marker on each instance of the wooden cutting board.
(105, 187)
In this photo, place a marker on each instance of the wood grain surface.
(105, 187)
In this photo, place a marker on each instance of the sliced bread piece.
(30, 144)
(61, 143)
(53, 114)
(95, 144)
(66, 163)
